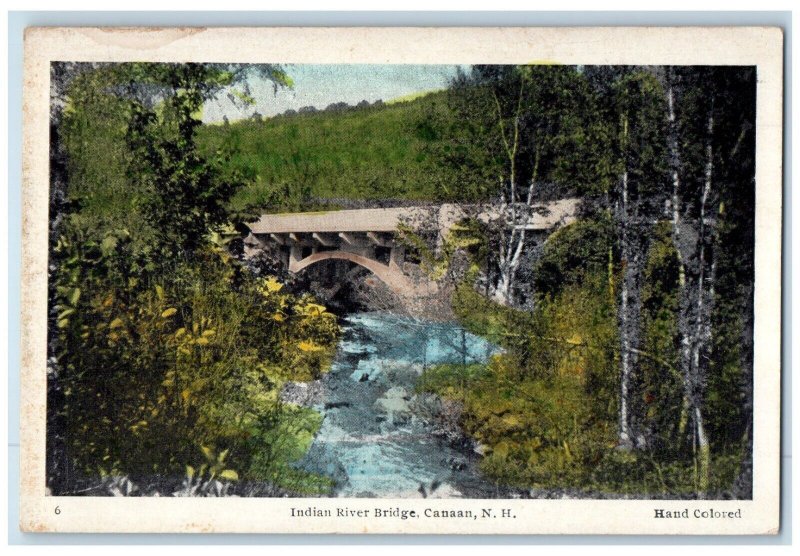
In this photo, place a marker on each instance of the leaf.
(190, 471)
(66, 312)
(209, 332)
(169, 312)
(180, 332)
(308, 345)
(243, 96)
(512, 421)
(272, 284)
(229, 474)
(63, 323)
(501, 449)
(313, 309)
(160, 292)
(116, 323)
(74, 296)
(201, 341)
(108, 244)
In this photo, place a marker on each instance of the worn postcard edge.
(754, 46)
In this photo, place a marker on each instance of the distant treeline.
(332, 107)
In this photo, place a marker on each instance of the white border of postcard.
(756, 46)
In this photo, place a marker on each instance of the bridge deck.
(360, 220)
(387, 219)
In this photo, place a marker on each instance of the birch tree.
(518, 135)
(693, 99)
(686, 241)
(728, 390)
(637, 201)
(631, 101)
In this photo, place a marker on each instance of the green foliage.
(93, 122)
(573, 254)
(466, 238)
(301, 333)
(149, 374)
(545, 408)
(278, 441)
(662, 385)
(641, 472)
(550, 422)
(519, 126)
(535, 432)
(150, 180)
(165, 347)
(294, 161)
(640, 146)
(208, 477)
(727, 397)
(186, 193)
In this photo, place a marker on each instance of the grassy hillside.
(378, 152)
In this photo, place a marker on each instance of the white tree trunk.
(702, 316)
(685, 342)
(512, 243)
(625, 355)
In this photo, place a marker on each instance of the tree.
(636, 203)
(187, 193)
(164, 352)
(517, 133)
(133, 103)
(711, 115)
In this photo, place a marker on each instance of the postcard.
(402, 280)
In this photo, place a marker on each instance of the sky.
(321, 85)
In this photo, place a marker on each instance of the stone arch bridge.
(369, 237)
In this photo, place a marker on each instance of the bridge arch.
(390, 275)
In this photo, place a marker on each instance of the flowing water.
(379, 437)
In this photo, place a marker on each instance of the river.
(380, 438)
